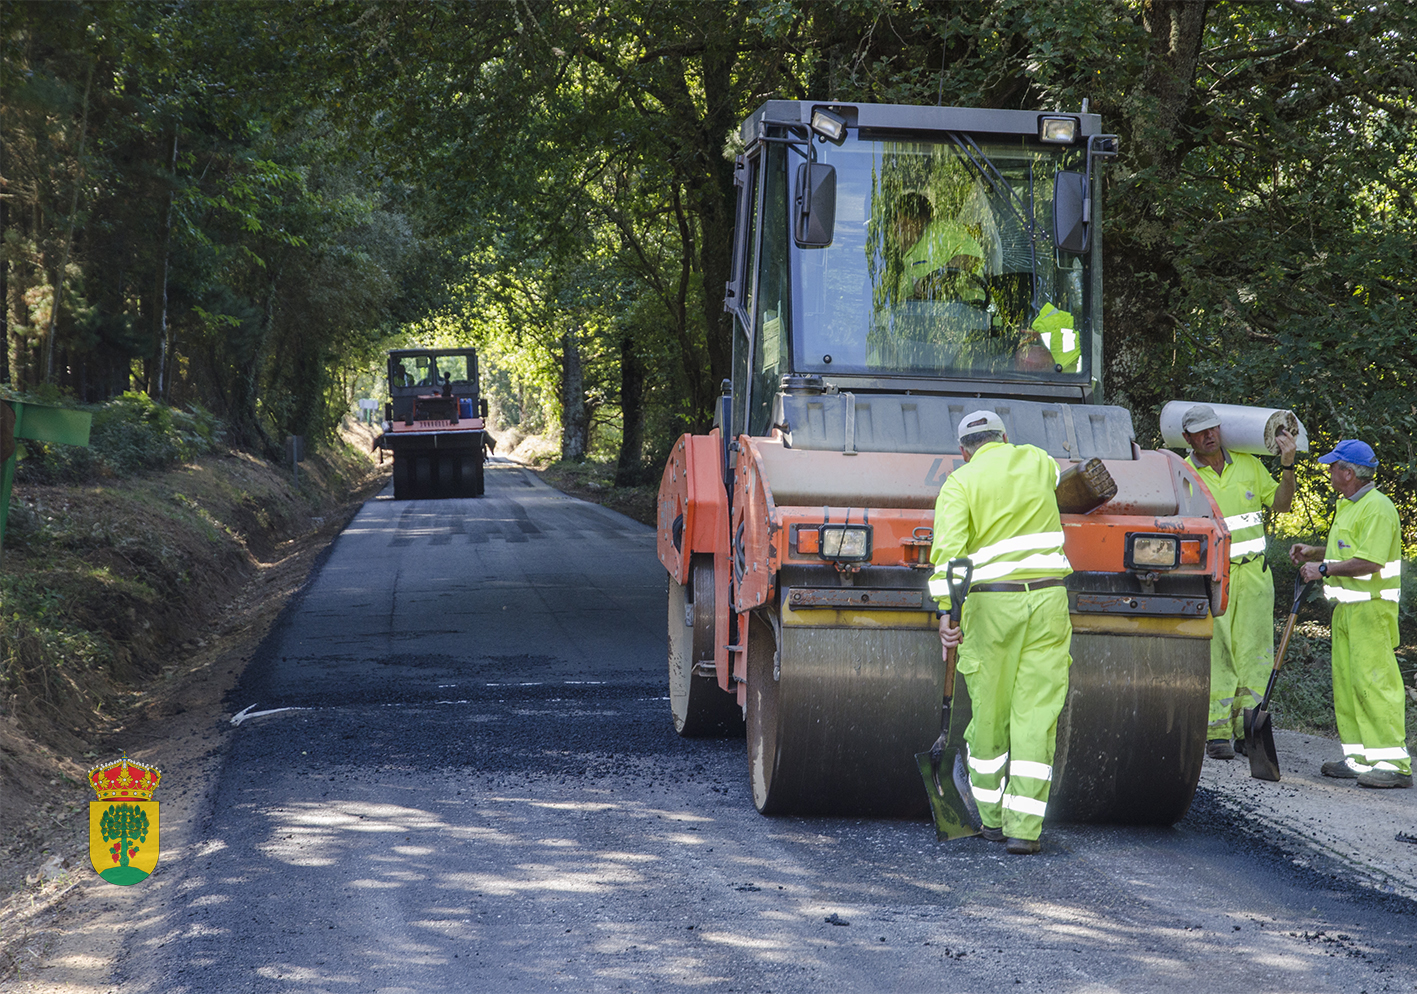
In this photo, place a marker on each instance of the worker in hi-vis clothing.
(1000, 510)
(1361, 568)
(1056, 329)
(1242, 641)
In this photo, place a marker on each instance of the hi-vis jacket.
(1242, 493)
(1365, 526)
(1056, 329)
(999, 509)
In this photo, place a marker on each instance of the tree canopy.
(240, 204)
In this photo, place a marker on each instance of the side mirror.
(1071, 208)
(814, 206)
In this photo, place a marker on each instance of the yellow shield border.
(124, 848)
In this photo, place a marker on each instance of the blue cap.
(1350, 450)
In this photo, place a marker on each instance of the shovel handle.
(959, 590)
(1301, 591)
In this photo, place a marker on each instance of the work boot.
(1340, 768)
(1219, 749)
(1022, 847)
(1384, 778)
(992, 834)
(1240, 747)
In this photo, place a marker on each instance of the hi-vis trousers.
(1369, 701)
(1241, 650)
(1014, 660)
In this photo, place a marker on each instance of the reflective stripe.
(1028, 768)
(1246, 534)
(1385, 584)
(986, 796)
(1019, 543)
(939, 588)
(1054, 562)
(1239, 550)
(984, 767)
(1352, 748)
(1345, 596)
(1396, 752)
(1353, 764)
(1025, 805)
(1387, 766)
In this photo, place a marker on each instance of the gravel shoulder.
(1330, 824)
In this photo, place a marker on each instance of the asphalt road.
(477, 787)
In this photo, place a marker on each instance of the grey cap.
(980, 421)
(1199, 418)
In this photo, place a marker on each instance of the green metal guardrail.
(21, 421)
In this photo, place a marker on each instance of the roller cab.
(895, 268)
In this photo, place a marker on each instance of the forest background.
(234, 208)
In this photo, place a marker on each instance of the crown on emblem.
(125, 779)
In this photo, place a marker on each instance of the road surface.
(467, 779)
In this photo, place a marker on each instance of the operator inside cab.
(942, 254)
(1053, 344)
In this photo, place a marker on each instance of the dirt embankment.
(133, 606)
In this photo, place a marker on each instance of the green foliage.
(240, 205)
(130, 434)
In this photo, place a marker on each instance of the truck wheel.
(701, 708)
(402, 487)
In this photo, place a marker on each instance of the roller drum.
(836, 731)
(700, 707)
(1131, 737)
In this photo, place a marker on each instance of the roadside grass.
(114, 569)
(594, 481)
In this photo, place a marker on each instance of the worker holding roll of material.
(999, 509)
(1242, 642)
(1361, 567)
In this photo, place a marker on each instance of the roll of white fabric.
(1242, 429)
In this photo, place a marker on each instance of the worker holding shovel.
(999, 509)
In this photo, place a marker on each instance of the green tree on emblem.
(126, 823)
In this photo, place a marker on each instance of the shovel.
(956, 816)
(1259, 733)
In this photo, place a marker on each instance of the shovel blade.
(951, 813)
(1259, 745)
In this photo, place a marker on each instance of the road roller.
(894, 268)
(434, 424)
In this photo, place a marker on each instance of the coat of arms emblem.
(123, 826)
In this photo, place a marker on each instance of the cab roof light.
(1057, 130)
(828, 125)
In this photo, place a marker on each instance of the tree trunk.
(630, 467)
(714, 203)
(69, 237)
(1140, 264)
(574, 421)
(160, 330)
(4, 302)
